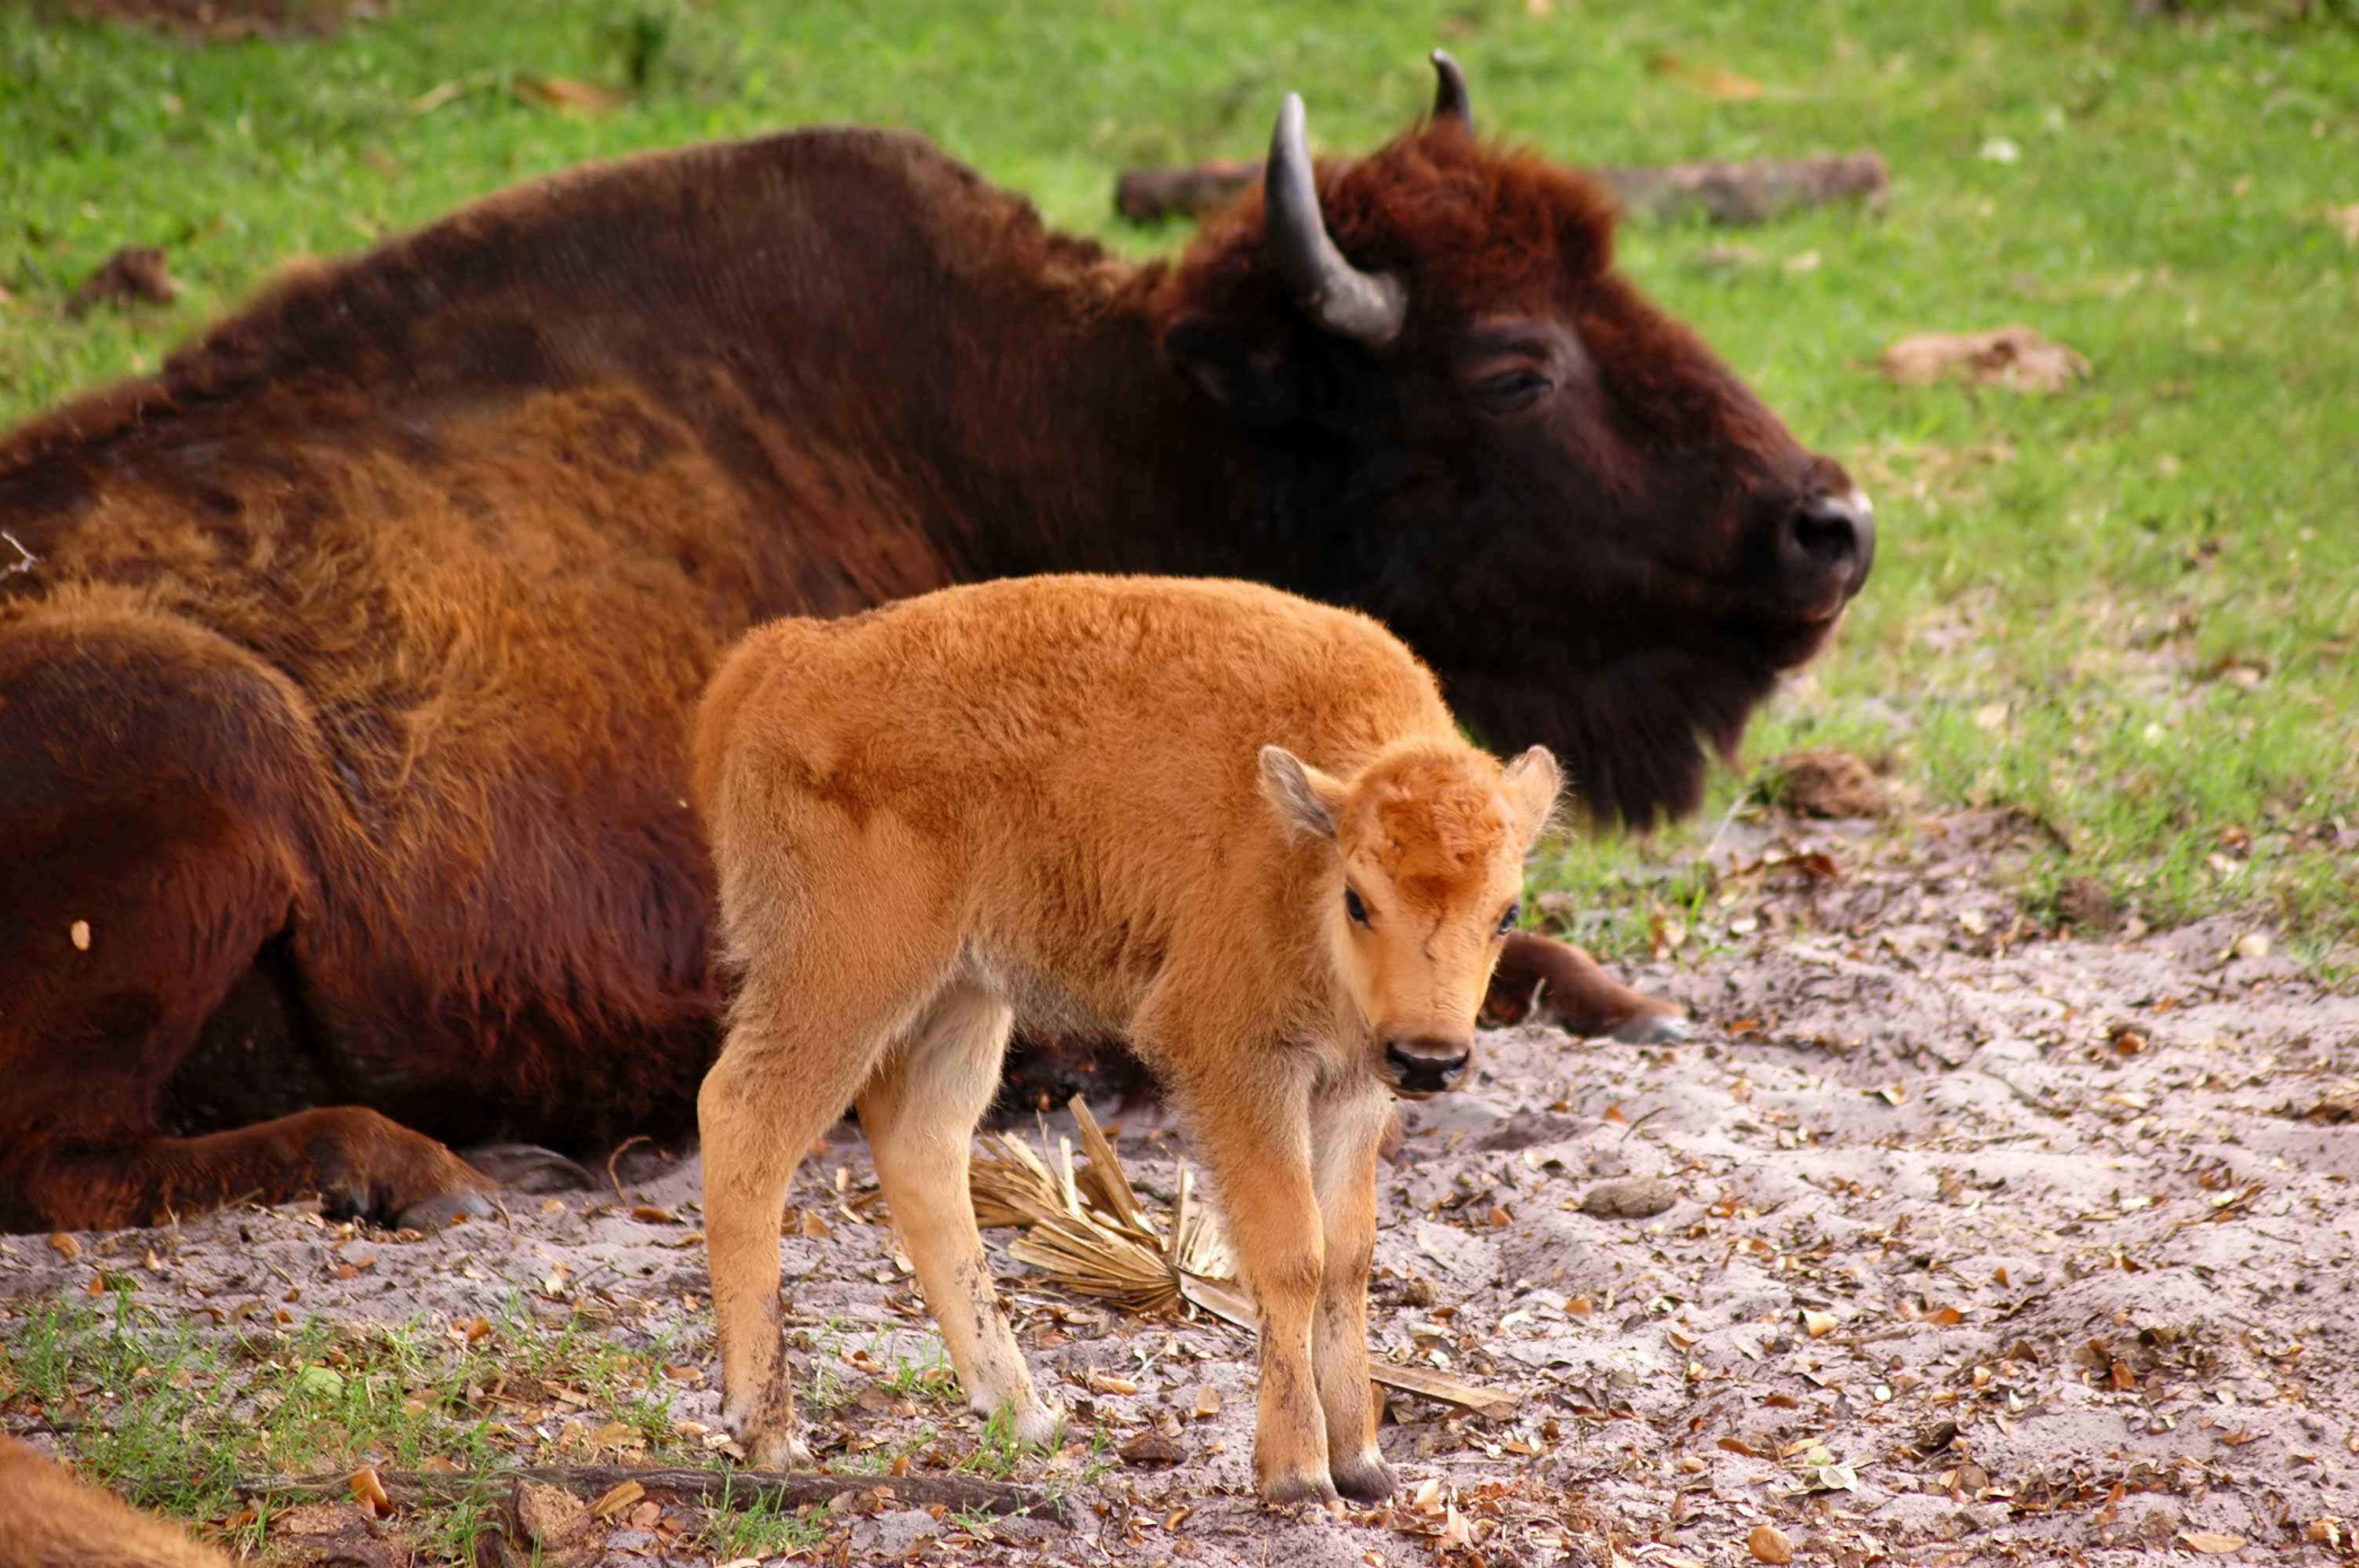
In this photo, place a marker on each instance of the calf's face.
(1427, 849)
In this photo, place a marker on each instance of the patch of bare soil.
(1982, 1244)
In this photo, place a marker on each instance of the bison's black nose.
(1426, 1064)
(1828, 544)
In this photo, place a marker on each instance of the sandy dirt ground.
(1983, 1243)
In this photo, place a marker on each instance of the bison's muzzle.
(1824, 552)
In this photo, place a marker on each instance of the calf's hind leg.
(920, 1113)
(785, 1074)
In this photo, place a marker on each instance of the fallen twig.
(614, 1180)
(1224, 1301)
(913, 1491)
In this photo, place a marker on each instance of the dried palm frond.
(1087, 1232)
(1085, 1226)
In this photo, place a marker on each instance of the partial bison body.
(1237, 829)
(344, 695)
(49, 1520)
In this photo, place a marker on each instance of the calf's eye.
(1508, 921)
(1354, 907)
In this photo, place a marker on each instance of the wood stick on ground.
(1736, 193)
(1224, 1300)
(787, 1491)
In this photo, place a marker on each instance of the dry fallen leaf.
(564, 92)
(613, 1504)
(1720, 83)
(2016, 358)
(1769, 1545)
(1818, 1324)
(65, 1245)
(2211, 1542)
(1150, 1448)
(370, 1494)
(1208, 1402)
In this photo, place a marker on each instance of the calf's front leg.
(1346, 1128)
(920, 1113)
(1258, 1147)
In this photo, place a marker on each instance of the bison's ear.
(1532, 782)
(1254, 385)
(1308, 801)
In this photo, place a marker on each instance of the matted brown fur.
(49, 1520)
(343, 701)
(1234, 827)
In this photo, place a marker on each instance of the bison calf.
(1235, 827)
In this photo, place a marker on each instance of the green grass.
(173, 1418)
(2130, 610)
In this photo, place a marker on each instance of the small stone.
(1630, 1198)
(1150, 1448)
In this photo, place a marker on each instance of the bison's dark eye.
(1354, 907)
(1508, 921)
(1513, 389)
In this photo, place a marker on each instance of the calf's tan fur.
(49, 1520)
(1235, 827)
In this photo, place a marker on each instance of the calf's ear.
(1308, 801)
(1254, 385)
(1532, 781)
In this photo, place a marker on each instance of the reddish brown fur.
(1233, 826)
(49, 1519)
(343, 698)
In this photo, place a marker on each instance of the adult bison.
(343, 692)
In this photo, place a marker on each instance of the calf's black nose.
(1426, 1066)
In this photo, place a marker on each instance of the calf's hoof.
(1299, 1486)
(780, 1451)
(1033, 1424)
(1365, 1478)
(1652, 1029)
(776, 1446)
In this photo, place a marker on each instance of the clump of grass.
(174, 1417)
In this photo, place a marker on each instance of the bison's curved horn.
(1368, 308)
(1451, 99)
